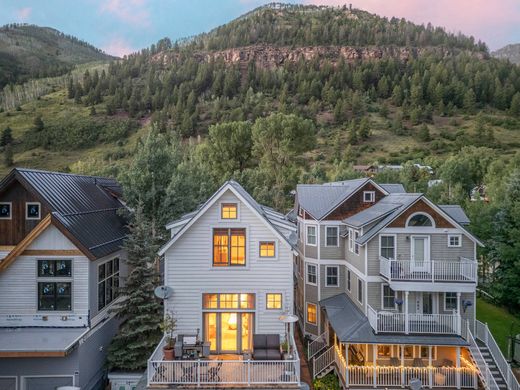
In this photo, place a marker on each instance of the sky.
(120, 27)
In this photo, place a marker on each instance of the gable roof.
(456, 212)
(393, 188)
(275, 221)
(319, 200)
(84, 208)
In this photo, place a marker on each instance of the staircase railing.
(484, 372)
(483, 334)
(316, 345)
(323, 361)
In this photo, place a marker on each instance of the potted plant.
(168, 326)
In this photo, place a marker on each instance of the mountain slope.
(29, 51)
(509, 52)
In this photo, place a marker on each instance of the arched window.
(421, 220)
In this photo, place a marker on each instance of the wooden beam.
(26, 354)
(52, 252)
(7, 248)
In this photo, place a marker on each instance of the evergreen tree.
(140, 310)
(38, 124)
(424, 134)
(8, 155)
(515, 105)
(7, 136)
(469, 101)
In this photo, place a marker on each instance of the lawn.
(500, 322)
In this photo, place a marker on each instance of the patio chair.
(266, 347)
(418, 362)
(395, 362)
(445, 363)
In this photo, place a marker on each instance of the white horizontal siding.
(189, 271)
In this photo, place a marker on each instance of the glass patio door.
(229, 332)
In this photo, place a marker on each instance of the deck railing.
(316, 345)
(434, 271)
(485, 373)
(222, 372)
(391, 322)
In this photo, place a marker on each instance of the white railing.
(462, 270)
(483, 334)
(222, 372)
(323, 361)
(391, 322)
(485, 373)
(401, 376)
(341, 364)
(316, 345)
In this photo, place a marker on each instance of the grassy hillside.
(28, 51)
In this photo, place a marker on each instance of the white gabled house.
(230, 267)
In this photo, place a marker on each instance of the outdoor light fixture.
(466, 304)
(398, 302)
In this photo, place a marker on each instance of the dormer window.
(229, 247)
(32, 210)
(369, 196)
(420, 220)
(5, 210)
(229, 211)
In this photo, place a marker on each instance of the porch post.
(346, 365)
(430, 372)
(374, 358)
(457, 378)
(406, 326)
(459, 317)
(402, 365)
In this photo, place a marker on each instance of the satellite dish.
(163, 292)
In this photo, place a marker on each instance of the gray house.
(61, 266)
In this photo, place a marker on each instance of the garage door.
(46, 383)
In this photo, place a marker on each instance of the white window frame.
(327, 236)
(395, 244)
(326, 275)
(349, 281)
(307, 313)
(371, 196)
(27, 204)
(10, 211)
(274, 256)
(281, 301)
(383, 307)
(315, 235)
(353, 246)
(99, 281)
(307, 274)
(421, 227)
(360, 289)
(450, 236)
(456, 301)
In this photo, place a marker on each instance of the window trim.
(307, 304)
(228, 263)
(307, 235)
(459, 236)
(27, 204)
(104, 280)
(371, 198)
(10, 211)
(327, 267)
(327, 227)
(55, 279)
(395, 244)
(360, 289)
(275, 251)
(383, 307)
(456, 301)
(420, 227)
(223, 204)
(273, 308)
(353, 246)
(307, 274)
(219, 307)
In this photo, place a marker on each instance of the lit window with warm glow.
(229, 247)
(229, 211)
(228, 301)
(311, 313)
(274, 301)
(267, 249)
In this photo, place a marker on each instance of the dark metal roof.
(88, 207)
(352, 326)
(457, 213)
(393, 188)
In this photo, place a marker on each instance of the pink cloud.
(491, 21)
(129, 11)
(23, 13)
(118, 47)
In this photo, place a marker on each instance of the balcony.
(391, 322)
(221, 372)
(462, 270)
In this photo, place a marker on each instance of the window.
(387, 247)
(228, 301)
(360, 291)
(454, 240)
(332, 236)
(388, 297)
(5, 210)
(425, 352)
(332, 276)
(311, 235)
(229, 247)
(369, 196)
(420, 220)
(384, 351)
(349, 287)
(311, 314)
(311, 274)
(408, 351)
(108, 282)
(353, 246)
(229, 211)
(32, 210)
(450, 301)
(267, 249)
(54, 287)
(273, 301)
